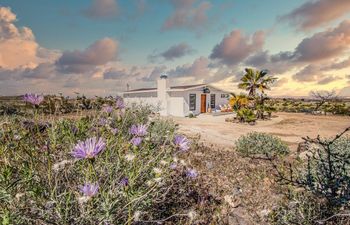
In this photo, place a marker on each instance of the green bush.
(246, 115)
(256, 144)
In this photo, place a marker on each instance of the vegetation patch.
(261, 145)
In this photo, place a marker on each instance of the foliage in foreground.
(129, 174)
(261, 145)
(320, 187)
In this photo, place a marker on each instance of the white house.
(179, 100)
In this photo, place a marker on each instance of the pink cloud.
(324, 45)
(187, 15)
(99, 53)
(17, 45)
(102, 9)
(236, 47)
(313, 14)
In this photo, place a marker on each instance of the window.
(192, 102)
(224, 95)
(212, 101)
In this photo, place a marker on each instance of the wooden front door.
(203, 103)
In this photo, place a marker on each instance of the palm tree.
(253, 80)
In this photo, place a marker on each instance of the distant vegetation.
(257, 105)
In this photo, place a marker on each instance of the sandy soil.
(290, 127)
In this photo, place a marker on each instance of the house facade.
(179, 100)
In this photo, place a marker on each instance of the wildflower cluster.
(77, 172)
(138, 132)
(34, 99)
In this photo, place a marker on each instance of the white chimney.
(162, 93)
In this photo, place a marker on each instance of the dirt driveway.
(290, 127)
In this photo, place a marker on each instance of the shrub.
(298, 208)
(324, 176)
(246, 115)
(256, 144)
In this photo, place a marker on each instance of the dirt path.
(290, 127)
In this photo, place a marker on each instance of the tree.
(256, 80)
(322, 97)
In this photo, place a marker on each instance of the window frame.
(191, 104)
(212, 101)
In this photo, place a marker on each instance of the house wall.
(185, 95)
(177, 101)
(146, 98)
(176, 106)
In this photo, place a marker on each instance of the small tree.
(322, 97)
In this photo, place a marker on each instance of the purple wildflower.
(89, 148)
(173, 166)
(103, 121)
(182, 142)
(136, 141)
(138, 130)
(114, 131)
(89, 190)
(108, 109)
(191, 173)
(34, 99)
(74, 129)
(119, 104)
(124, 181)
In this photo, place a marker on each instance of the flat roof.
(182, 87)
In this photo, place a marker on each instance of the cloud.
(99, 53)
(328, 80)
(102, 9)
(199, 68)
(155, 73)
(258, 59)
(236, 47)
(308, 74)
(280, 82)
(313, 14)
(187, 15)
(17, 45)
(174, 52)
(117, 74)
(339, 65)
(324, 45)
(42, 71)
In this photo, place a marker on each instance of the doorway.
(203, 103)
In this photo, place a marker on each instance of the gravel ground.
(290, 127)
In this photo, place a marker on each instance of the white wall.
(176, 106)
(148, 98)
(218, 100)
(163, 96)
(177, 101)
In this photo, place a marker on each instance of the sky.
(97, 47)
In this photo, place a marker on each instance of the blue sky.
(140, 31)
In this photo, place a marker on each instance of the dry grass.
(245, 186)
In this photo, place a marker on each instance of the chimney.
(162, 93)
